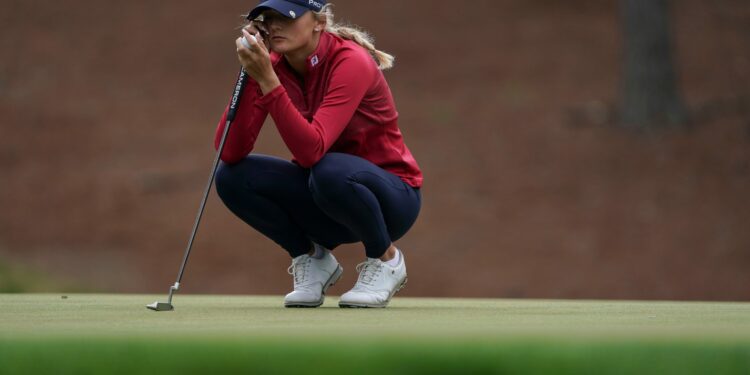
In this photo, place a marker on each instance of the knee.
(232, 180)
(329, 176)
(226, 180)
(234, 177)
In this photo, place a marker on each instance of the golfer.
(352, 178)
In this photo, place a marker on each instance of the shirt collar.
(321, 52)
(316, 58)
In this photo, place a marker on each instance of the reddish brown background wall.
(107, 114)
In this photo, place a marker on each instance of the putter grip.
(237, 95)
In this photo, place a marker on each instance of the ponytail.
(361, 37)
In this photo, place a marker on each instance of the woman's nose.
(273, 25)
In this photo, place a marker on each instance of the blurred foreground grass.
(87, 333)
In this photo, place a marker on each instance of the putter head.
(165, 306)
(160, 306)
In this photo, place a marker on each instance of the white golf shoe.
(377, 283)
(312, 277)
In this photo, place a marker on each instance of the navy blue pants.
(341, 199)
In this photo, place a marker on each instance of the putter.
(233, 106)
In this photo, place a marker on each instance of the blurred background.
(571, 149)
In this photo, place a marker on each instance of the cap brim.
(287, 9)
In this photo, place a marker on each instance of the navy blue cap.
(289, 8)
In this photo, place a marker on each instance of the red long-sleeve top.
(343, 104)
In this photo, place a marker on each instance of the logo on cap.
(291, 13)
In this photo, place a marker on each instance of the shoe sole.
(356, 305)
(335, 276)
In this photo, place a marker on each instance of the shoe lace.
(298, 269)
(369, 271)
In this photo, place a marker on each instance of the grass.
(95, 333)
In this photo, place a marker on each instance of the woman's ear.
(320, 25)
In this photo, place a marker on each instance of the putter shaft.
(233, 106)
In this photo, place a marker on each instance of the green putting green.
(94, 333)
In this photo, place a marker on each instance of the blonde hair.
(353, 33)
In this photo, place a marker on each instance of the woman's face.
(286, 35)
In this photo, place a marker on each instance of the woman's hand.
(256, 59)
(255, 27)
